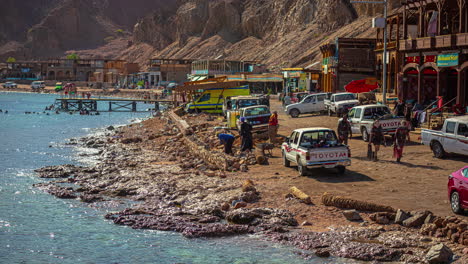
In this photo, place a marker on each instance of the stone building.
(345, 60)
(428, 43)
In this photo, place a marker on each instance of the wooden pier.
(114, 105)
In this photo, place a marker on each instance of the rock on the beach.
(401, 216)
(439, 254)
(352, 215)
(57, 191)
(240, 205)
(415, 220)
(61, 171)
(322, 253)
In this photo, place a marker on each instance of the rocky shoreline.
(170, 169)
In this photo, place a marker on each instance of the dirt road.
(418, 183)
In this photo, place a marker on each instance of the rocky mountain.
(277, 32)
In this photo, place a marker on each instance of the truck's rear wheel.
(303, 171)
(341, 169)
(438, 150)
(365, 134)
(286, 162)
(294, 113)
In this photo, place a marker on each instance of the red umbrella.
(362, 86)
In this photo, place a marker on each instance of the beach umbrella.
(362, 86)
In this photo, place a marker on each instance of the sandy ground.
(418, 183)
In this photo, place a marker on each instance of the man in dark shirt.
(226, 140)
(344, 130)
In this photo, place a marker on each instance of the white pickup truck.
(453, 138)
(315, 148)
(339, 103)
(363, 117)
(310, 104)
(258, 116)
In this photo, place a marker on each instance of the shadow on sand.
(402, 163)
(332, 176)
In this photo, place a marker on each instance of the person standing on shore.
(227, 140)
(286, 100)
(401, 134)
(246, 134)
(273, 127)
(344, 130)
(376, 139)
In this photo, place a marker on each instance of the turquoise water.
(38, 228)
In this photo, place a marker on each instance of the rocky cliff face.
(277, 32)
(44, 28)
(242, 29)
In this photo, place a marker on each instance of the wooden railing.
(425, 43)
(444, 41)
(407, 44)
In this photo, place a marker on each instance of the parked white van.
(37, 85)
(313, 103)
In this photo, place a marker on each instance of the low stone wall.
(214, 158)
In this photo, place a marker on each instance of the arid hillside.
(276, 32)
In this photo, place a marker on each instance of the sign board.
(447, 60)
(378, 22)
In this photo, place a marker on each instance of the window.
(344, 97)
(450, 129)
(375, 112)
(358, 113)
(204, 98)
(296, 138)
(257, 111)
(462, 130)
(318, 139)
(321, 97)
(307, 100)
(465, 173)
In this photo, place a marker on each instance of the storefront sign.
(415, 59)
(447, 60)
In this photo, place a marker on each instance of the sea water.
(36, 227)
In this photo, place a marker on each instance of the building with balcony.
(345, 60)
(205, 69)
(428, 47)
(163, 71)
(84, 70)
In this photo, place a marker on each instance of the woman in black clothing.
(376, 139)
(246, 134)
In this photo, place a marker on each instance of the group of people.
(245, 133)
(377, 138)
(6, 111)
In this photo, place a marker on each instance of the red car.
(458, 190)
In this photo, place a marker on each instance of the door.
(308, 104)
(293, 145)
(462, 139)
(320, 104)
(462, 182)
(450, 141)
(354, 117)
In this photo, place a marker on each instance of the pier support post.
(110, 106)
(134, 108)
(156, 106)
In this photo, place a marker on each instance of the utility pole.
(384, 60)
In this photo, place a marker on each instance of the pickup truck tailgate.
(390, 125)
(328, 154)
